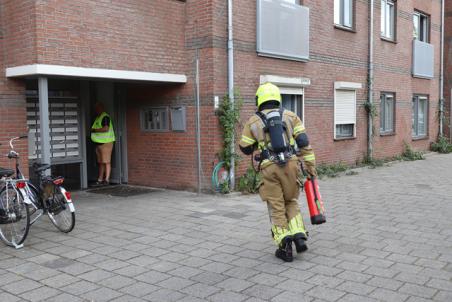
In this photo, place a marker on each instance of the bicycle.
(48, 197)
(51, 198)
(14, 204)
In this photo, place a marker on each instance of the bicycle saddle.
(41, 167)
(6, 172)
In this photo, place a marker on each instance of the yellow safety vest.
(102, 137)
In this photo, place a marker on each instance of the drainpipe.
(371, 81)
(441, 76)
(231, 85)
(198, 124)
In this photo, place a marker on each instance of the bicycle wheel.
(14, 216)
(61, 211)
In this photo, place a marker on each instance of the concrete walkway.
(388, 238)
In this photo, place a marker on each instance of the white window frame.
(415, 116)
(383, 97)
(422, 22)
(388, 19)
(298, 93)
(156, 108)
(340, 16)
(350, 87)
(290, 86)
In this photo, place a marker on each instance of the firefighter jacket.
(254, 137)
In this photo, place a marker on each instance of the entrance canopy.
(59, 124)
(35, 70)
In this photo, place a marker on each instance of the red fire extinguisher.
(314, 199)
(315, 203)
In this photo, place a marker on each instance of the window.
(420, 116)
(293, 1)
(387, 109)
(344, 113)
(345, 130)
(154, 119)
(388, 19)
(343, 13)
(293, 103)
(421, 27)
(282, 29)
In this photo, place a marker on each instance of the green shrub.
(442, 145)
(409, 154)
(331, 170)
(247, 182)
(373, 162)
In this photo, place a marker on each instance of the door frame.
(119, 119)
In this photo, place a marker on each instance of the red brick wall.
(338, 55)
(397, 57)
(133, 35)
(16, 45)
(169, 159)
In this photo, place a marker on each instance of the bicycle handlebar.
(16, 138)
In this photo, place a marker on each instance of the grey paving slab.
(152, 277)
(356, 288)
(209, 278)
(7, 297)
(262, 291)
(419, 291)
(185, 271)
(234, 284)
(288, 296)
(391, 284)
(101, 294)
(299, 287)
(96, 275)
(79, 288)
(388, 295)
(325, 293)
(40, 294)
(117, 282)
(356, 298)
(127, 298)
(164, 295)
(139, 289)
(200, 290)
(19, 287)
(226, 296)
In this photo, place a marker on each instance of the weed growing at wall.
(373, 162)
(229, 117)
(442, 145)
(331, 170)
(409, 154)
(247, 183)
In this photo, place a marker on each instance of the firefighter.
(279, 140)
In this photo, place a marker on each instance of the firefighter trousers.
(280, 188)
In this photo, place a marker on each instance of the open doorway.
(111, 95)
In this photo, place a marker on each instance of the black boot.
(284, 251)
(300, 242)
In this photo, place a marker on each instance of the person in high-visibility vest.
(103, 135)
(277, 134)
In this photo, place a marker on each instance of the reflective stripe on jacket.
(102, 137)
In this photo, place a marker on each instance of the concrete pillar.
(44, 121)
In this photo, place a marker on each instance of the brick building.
(139, 58)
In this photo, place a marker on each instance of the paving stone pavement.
(388, 238)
